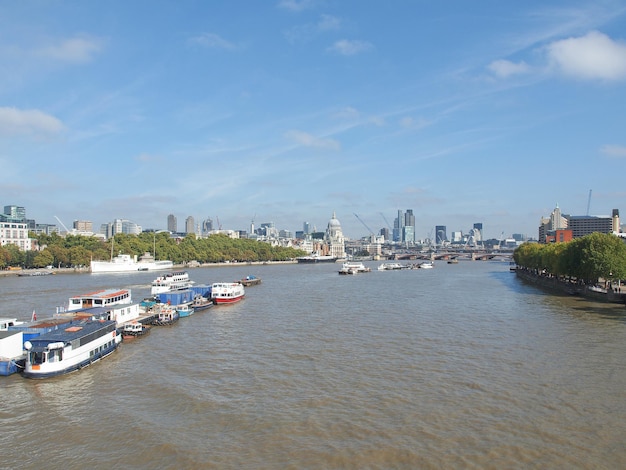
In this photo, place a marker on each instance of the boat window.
(37, 357)
(56, 355)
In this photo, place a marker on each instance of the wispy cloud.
(308, 31)
(14, 122)
(615, 151)
(350, 47)
(328, 23)
(212, 41)
(296, 5)
(593, 56)
(506, 68)
(415, 124)
(307, 140)
(74, 50)
(149, 158)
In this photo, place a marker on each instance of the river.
(460, 366)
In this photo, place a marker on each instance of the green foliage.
(589, 258)
(78, 250)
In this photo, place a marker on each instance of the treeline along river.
(460, 366)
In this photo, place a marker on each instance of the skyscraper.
(190, 225)
(440, 234)
(408, 235)
(171, 223)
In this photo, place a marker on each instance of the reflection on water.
(455, 367)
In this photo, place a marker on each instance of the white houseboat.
(77, 345)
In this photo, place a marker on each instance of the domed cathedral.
(334, 238)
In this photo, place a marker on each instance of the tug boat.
(78, 344)
(134, 330)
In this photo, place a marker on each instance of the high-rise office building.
(440, 234)
(190, 225)
(171, 223)
(207, 226)
(409, 227)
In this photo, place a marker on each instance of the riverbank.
(85, 270)
(572, 288)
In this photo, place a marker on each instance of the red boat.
(227, 292)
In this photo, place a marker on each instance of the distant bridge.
(470, 255)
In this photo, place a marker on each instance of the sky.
(288, 111)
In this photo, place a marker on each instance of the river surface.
(460, 366)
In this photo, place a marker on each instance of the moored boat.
(227, 292)
(200, 302)
(124, 263)
(390, 266)
(185, 310)
(315, 258)
(426, 265)
(165, 315)
(170, 282)
(134, 329)
(250, 281)
(35, 273)
(100, 298)
(77, 345)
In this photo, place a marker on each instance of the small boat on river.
(227, 292)
(200, 302)
(134, 330)
(390, 266)
(185, 310)
(250, 281)
(351, 267)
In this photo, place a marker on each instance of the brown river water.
(460, 366)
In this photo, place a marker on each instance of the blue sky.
(290, 110)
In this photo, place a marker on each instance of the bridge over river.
(467, 255)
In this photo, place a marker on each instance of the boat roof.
(102, 294)
(72, 331)
(6, 334)
(43, 323)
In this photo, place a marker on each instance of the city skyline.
(293, 110)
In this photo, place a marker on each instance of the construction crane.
(62, 224)
(365, 225)
(387, 222)
(589, 202)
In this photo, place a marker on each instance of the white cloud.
(28, 122)
(74, 50)
(593, 56)
(307, 140)
(349, 47)
(212, 41)
(506, 68)
(616, 151)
